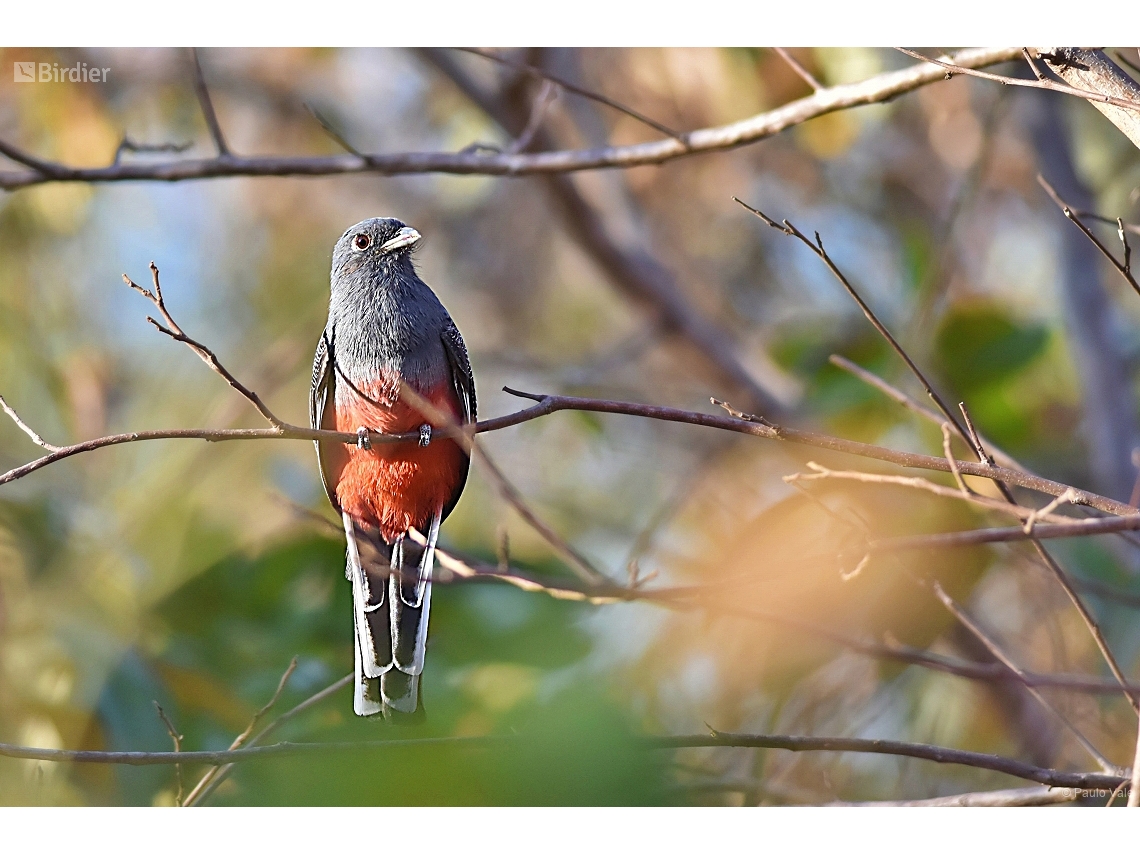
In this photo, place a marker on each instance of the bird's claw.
(425, 436)
(363, 441)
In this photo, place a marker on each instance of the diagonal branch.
(909, 403)
(210, 780)
(566, 85)
(35, 437)
(206, 355)
(309, 702)
(968, 433)
(207, 106)
(1123, 267)
(800, 71)
(577, 562)
(999, 654)
(817, 248)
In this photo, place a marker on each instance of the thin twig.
(176, 738)
(1134, 789)
(464, 435)
(566, 85)
(542, 101)
(1087, 94)
(1060, 575)
(309, 702)
(800, 71)
(1045, 512)
(971, 434)
(975, 441)
(204, 353)
(999, 654)
(1020, 797)
(127, 144)
(328, 128)
(910, 403)
(715, 739)
(949, 455)
(1125, 267)
(976, 537)
(204, 782)
(883, 87)
(22, 425)
(822, 472)
(817, 248)
(207, 106)
(1032, 65)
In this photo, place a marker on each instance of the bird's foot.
(425, 436)
(362, 439)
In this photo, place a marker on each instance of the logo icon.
(24, 72)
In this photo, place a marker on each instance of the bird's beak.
(404, 237)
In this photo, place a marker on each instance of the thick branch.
(1092, 70)
(882, 87)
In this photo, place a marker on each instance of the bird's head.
(373, 248)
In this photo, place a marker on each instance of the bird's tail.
(391, 603)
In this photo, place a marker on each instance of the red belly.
(395, 486)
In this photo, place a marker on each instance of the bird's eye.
(362, 241)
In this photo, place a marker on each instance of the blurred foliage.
(190, 573)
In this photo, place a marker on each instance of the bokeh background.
(190, 573)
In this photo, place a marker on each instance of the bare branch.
(1004, 658)
(819, 473)
(1125, 267)
(878, 89)
(817, 248)
(35, 437)
(1058, 572)
(328, 128)
(176, 738)
(548, 404)
(1021, 797)
(800, 71)
(972, 435)
(206, 355)
(127, 144)
(975, 537)
(1087, 94)
(546, 96)
(909, 403)
(210, 780)
(1092, 71)
(1134, 789)
(223, 771)
(566, 85)
(207, 106)
(716, 739)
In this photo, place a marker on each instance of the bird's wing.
(322, 416)
(461, 377)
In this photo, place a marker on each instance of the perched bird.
(390, 360)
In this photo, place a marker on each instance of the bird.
(390, 360)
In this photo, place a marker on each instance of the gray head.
(374, 250)
(379, 309)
